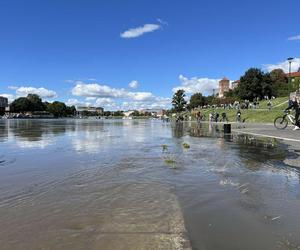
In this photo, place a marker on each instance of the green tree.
(196, 100)
(118, 113)
(231, 93)
(36, 103)
(58, 109)
(178, 101)
(280, 82)
(30, 103)
(135, 113)
(21, 105)
(71, 110)
(255, 83)
(295, 84)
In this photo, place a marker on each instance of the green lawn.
(253, 115)
(264, 116)
(275, 102)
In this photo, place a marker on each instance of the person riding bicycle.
(294, 104)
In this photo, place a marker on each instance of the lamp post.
(290, 59)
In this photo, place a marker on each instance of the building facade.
(223, 86)
(235, 84)
(294, 76)
(3, 104)
(93, 110)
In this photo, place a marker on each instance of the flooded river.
(131, 184)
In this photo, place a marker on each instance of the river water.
(131, 184)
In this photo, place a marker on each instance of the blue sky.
(87, 52)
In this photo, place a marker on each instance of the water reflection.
(73, 183)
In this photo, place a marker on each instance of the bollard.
(227, 128)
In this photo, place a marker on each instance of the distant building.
(128, 113)
(294, 75)
(235, 84)
(3, 104)
(223, 86)
(93, 110)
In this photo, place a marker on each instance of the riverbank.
(258, 115)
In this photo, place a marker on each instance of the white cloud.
(42, 92)
(133, 84)
(90, 99)
(72, 101)
(158, 103)
(69, 81)
(104, 91)
(294, 38)
(195, 84)
(75, 102)
(114, 98)
(97, 90)
(284, 66)
(10, 97)
(141, 96)
(139, 31)
(106, 103)
(12, 87)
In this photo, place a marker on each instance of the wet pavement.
(93, 184)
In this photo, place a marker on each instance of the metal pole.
(290, 59)
(290, 63)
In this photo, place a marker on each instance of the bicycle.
(281, 122)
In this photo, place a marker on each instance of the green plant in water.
(169, 160)
(164, 147)
(186, 145)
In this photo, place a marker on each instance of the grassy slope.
(256, 115)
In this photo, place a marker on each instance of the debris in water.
(228, 182)
(186, 145)
(244, 185)
(271, 218)
(276, 218)
(245, 190)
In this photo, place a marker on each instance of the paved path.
(287, 136)
(268, 130)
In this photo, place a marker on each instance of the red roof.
(293, 74)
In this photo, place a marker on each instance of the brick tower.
(223, 86)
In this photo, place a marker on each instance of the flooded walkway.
(84, 184)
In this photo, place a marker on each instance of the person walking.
(216, 117)
(224, 117)
(238, 116)
(294, 104)
(269, 105)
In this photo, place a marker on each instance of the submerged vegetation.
(168, 158)
(170, 161)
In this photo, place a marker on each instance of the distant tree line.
(254, 84)
(113, 113)
(33, 103)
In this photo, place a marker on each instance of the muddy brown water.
(130, 184)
